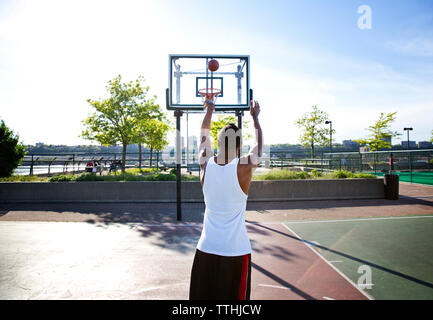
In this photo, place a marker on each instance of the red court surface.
(284, 267)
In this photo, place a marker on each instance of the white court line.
(328, 298)
(321, 257)
(335, 261)
(360, 219)
(272, 286)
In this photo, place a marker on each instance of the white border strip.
(338, 271)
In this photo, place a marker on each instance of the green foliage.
(364, 175)
(316, 173)
(20, 178)
(342, 174)
(147, 175)
(221, 122)
(379, 132)
(118, 119)
(62, 178)
(431, 139)
(11, 151)
(314, 130)
(277, 174)
(190, 177)
(139, 171)
(153, 133)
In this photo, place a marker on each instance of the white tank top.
(224, 232)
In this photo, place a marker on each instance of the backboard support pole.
(239, 114)
(178, 114)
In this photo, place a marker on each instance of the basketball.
(213, 65)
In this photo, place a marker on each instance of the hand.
(254, 108)
(209, 105)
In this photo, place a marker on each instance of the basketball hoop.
(209, 94)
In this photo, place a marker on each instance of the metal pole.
(31, 167)
(409, 154)
(187, 140)
(239, 76)
(178, 114)
(331, 137)
(115, 165)
(239, 115)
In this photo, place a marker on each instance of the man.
(222, 263)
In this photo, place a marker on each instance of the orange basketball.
(213, 65)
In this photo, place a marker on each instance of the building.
(192, 142)
(412, 144)
(425, 145)
(350, 144)
(388, 139)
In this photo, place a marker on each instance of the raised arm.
(254, 156)
(205, 149)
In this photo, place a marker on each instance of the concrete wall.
(165, 191)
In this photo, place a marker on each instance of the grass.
(136, 174)
(19, 178)
(278, 174)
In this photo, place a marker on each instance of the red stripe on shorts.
(244, 276)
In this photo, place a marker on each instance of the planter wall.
(165, 191)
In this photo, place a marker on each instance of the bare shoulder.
(246, 167)
(246, 162)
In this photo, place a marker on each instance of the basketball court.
(301, 250)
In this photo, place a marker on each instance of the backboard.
(189, 73)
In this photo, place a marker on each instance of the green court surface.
(397, 250)
(422, 177)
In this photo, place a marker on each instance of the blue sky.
(56, 54)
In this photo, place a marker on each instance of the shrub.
(20, 178)
(190, 177)
(364, 175)
(140, 171)
(88, 177)
(161, 177)
(316, 173)
(61, 177)
(276, 174)
(11, 151)
(342, 174)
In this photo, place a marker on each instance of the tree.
(154, 134)
(221, 122)
(11, 151)
(115, 119)
(431, 139)
(380, 133)
(314, 130)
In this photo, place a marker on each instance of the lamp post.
(408, 129)
(330, 134)
(409, 155)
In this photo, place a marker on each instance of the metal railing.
(408, 162)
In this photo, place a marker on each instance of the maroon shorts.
(220, 277)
